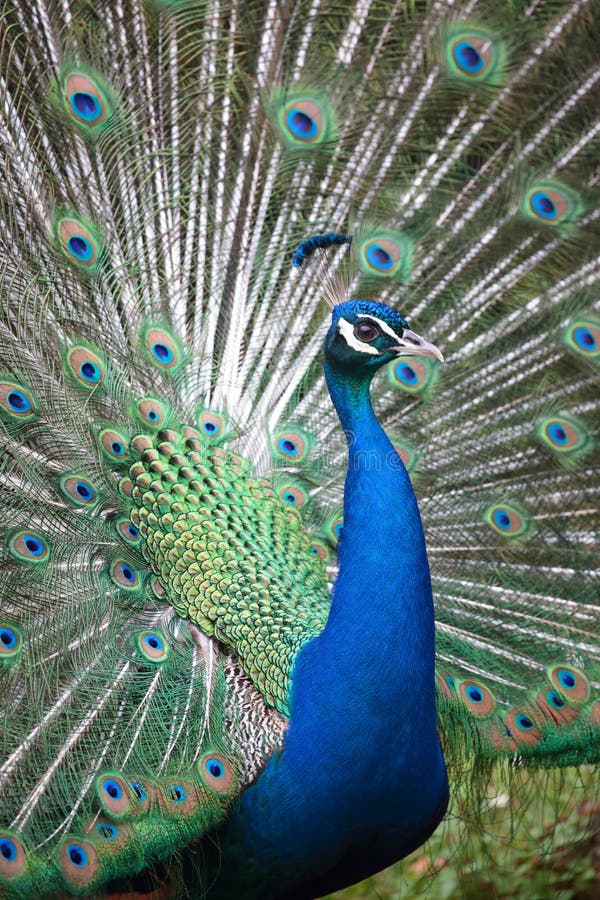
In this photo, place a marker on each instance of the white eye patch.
(346, 329)
(383, 325)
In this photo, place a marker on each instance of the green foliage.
(540, 840)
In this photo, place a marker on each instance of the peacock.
(226, 668)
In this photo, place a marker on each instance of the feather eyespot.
(11, 642)
(124, 575)
(115, 794)
(17, 401)
(163, 349)
(564, 434)
(176, 793)
(478, 699)
(305, 121)
(570, 682)
(555, 708)
(292, 445)
(471, 56)
(582, 336)
(507, 520)
(552, 203)
(211, 424)
(114, 444)
(446, 684)
(291, 491)
(113, 788)
(128, 531)
(139, 791)
(320, 550)
(334, 527)
(178, 798)
(217, 773)
(407, 454)
(78, 861)
(554, 700)
(293, 496)
(78, 490)
(107, 831)
(79, 242)
(28, 547)
(387, 254)
(86, 99)
(152, 411)
(474, 55)
(87, 367)
(153, 646)
(12, 855)
(415, 376)
(521, 726)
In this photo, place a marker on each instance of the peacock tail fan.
(171, 466)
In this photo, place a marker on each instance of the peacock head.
(365, 335)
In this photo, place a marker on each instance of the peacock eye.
(366, 331)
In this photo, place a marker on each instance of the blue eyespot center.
(567, 679)
(215, 768)
(77, 855)
(117, 448)
(153, 641)
(501, 519)
(128, 573)
(543, 205)
(177, 793)
(90, 371)
(555, 700)
(288, 447)
(290, 498)
(138, 790)
(112, 788)
(301, 124)
(584, 338)
(162, 353)
(80, 247)
(133, 532)
(379, 258)
(467, 57)
(84, 490)
(34, 545)
(557, 433)
(153, 415)
(86, 105)
(407, 374)
(474, 694)
(210, 427)
(8, 849)
(19, 402)
(8, 638)
(524, 722)
(107, 830)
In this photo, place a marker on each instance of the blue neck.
(361, 779)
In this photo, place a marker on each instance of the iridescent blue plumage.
(362, 714)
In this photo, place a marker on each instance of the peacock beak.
(412, 344)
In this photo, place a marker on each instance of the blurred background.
(537, 839)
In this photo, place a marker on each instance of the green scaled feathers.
(199, 512)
